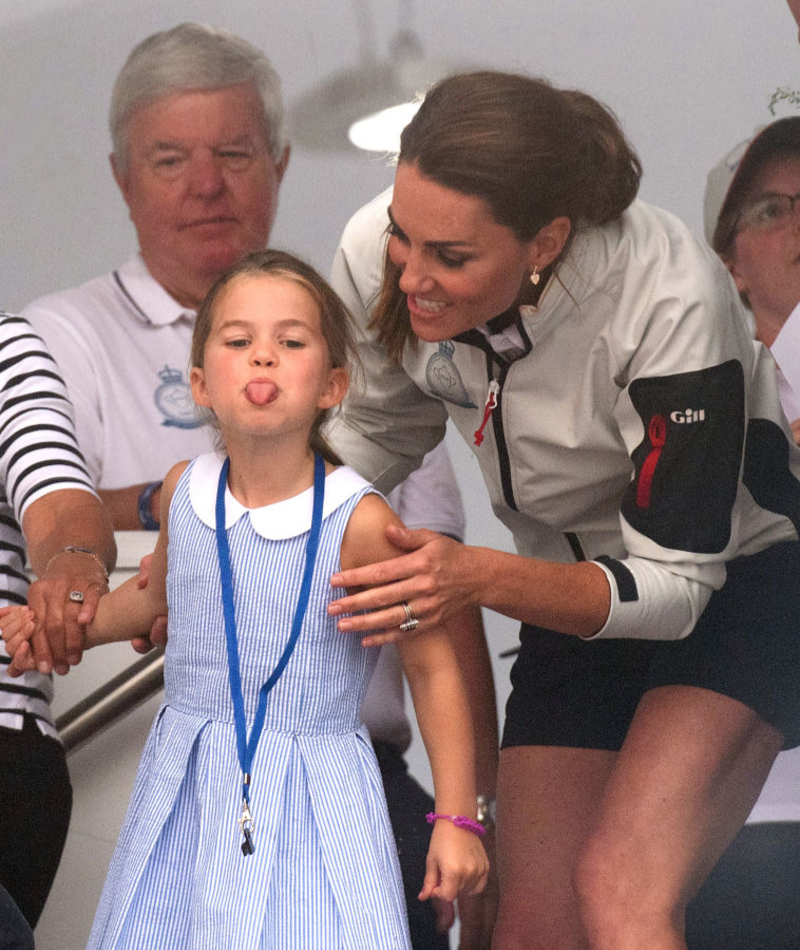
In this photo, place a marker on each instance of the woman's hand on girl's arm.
(436, 579)
(456, 864)
(440, 576)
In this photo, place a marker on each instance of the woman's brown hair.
(530, 151)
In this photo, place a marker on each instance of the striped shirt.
(38, 454)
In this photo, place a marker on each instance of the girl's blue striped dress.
(324, 875)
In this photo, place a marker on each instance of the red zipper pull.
(657, 430)
(488, 409)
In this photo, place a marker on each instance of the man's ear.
(119, 178)
(283, 161)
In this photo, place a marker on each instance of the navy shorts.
(746, 645)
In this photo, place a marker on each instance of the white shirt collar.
(153, 303)
(786, 351)
(276, 522)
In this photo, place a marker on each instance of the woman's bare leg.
(638, 830)
(691, 768)
(547, 803)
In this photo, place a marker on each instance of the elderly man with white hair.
(200, 148)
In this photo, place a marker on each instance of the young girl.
(257, 817)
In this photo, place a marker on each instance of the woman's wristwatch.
(486, 811)
(146, 519)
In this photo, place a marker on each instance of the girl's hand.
(438, 578)
(158, 633)
(456, 863)
(17, 626)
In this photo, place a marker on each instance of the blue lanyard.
(245, 748)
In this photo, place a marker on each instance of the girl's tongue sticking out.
(261, 392)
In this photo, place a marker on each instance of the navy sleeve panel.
(767, 475)
(625, 581)
(687, 466)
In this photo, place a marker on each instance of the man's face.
(201, 185)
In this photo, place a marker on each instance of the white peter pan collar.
(276, 522)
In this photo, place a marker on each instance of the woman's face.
(458, 266)
(766, 260)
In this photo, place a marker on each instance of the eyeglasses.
(767, 213)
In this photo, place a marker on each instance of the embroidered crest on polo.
(173, 397)
(444, 378)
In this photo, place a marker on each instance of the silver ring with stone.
(411, 622)
(76, 596)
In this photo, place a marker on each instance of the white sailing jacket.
(639, 428)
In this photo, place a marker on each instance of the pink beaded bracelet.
(460, 821)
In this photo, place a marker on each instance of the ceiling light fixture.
(369, 105)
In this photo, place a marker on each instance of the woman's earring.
(535, 276)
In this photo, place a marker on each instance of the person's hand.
(796, 430)
(435, 580)
(445, 913)
(477, 913)
(158, 633)
(64, 600)
(17, 626)
(157, 638)
(456, 863)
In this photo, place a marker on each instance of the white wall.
(687, 79)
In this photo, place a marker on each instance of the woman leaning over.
(596, 359)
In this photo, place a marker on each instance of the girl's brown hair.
(530, 151)
(335, 320)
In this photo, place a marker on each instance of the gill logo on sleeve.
(686, 466)
(684, 416)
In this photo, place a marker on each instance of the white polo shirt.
(122, 345)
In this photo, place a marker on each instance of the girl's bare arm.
(456, 861)
(130, 610)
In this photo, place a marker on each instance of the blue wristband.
(148, 522)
